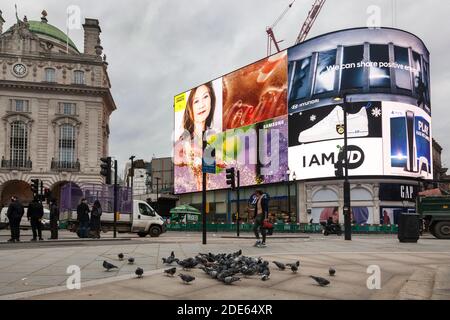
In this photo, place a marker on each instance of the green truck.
(435, 211)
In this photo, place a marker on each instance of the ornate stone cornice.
(56, 57)
(58, 88)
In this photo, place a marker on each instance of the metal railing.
(16, 164)
(65, 165)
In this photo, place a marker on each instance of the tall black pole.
(347, 201)
(204, 198)
(238, 200)
(157, 189)
(289, 196)
(132, 173)
(115, 198)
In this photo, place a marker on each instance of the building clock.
(19, 70)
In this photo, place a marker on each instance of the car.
(24, 223)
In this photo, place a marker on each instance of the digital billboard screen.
(283, 110)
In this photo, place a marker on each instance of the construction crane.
(270, 35)
(312, 16)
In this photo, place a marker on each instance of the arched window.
(50, 75)
(67, 144)
(19, 144)
(78, 77)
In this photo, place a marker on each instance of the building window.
(50, 75)
(19, 106)
(78, 77)
(67, 143)
(67, 108)
(19, 144)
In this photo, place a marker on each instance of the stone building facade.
(55, 106)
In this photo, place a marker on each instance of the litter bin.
(408, 227)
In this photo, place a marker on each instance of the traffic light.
(35, 186)
(106, 168)
(47, 195)
(231, 178)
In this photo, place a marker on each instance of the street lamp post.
(347, 200)
(157, 188)
(288, 174)
(294, 178)
(132, 172)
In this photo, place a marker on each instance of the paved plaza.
(408, 270)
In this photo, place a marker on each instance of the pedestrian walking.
(83, 218)
(54, 218)
(261, 213)
(35, 213)
(14, 214)
(95, 219)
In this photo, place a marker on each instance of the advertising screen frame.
(380, 95)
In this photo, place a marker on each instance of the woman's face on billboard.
(201, 104)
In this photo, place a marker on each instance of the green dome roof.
(49, 30)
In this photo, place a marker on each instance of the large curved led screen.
(282, 112)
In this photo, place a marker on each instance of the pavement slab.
(44, 269)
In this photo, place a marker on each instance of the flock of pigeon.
(223, 267)
(226, 267)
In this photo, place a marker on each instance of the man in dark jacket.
(35, 214)
(261, 213)
(54, 218)
(14, 214)
(83, 218)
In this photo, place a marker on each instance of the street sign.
(209, 160)
(208, 168)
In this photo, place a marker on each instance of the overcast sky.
(159, 48)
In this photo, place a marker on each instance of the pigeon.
(265, 277)
(238, 253)
(188, 263)
(280, 265)
(294, 268)
(231, 279)
(171, 271)
(332, 271)
(120, 255)
(186, 278)
(297, 264)
(170, 259)
(320, 281)
(130, 260)
(108, 266)
(139, 272)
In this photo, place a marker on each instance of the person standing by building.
(35, 213)
(261, 213)
(54, 218)
(83, 218)
(14, 214)
(95, 219)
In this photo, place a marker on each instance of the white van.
(144, 221)
(24, 223)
